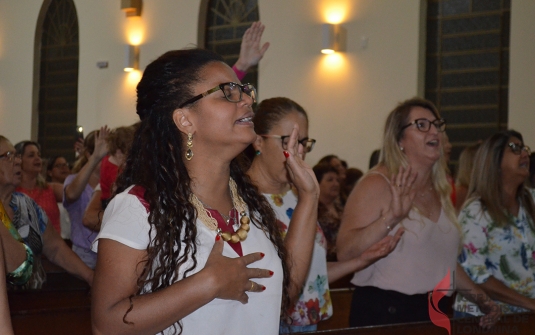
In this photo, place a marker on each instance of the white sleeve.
(125, 221)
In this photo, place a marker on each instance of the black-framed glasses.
(10, 156)
(424, 125)
(518, 148)
(232, 91)
(307, 143)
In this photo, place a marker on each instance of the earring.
(401, 148)
(189, 144)
(257, 152)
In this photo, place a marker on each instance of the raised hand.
(79, 146)
(101, 147)
(250, 51)
(402, 192)
(232, 274)
(300, 173)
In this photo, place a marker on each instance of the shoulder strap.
(379, 173)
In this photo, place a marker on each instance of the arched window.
(56, 78)
(222, 24)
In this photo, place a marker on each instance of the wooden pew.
(338, 324)
(62, 306)
(341, 299)
(519, 324)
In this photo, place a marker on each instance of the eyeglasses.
(61, 165)
(307, 143)
(232, 92)
(10, 156)
(518, 148)
(424, 125)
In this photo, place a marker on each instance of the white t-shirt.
(126, 221)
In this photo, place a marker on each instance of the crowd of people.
(203, 217)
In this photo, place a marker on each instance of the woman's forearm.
(5, 317)
(492, 288)
(498, 291)
(57, 251)
(352, 243)
(153, 312)
(74, 190)
(299, 242)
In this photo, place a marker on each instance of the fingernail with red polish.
(262, 255)
(286, 154)
(271, 273)
(263, 288)
(217, 237)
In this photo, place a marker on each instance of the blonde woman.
(407, 190)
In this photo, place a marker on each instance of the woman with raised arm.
(167, 259)
(407, 190)
(275, 120)
(79, 188)
(498, 227)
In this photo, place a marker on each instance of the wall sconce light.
(131, 58)
(132, 7)
(333, 38)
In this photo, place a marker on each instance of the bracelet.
(387, 226)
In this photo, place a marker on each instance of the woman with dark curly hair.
(188, 245)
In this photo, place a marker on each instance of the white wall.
(347, 99)
(522, 70)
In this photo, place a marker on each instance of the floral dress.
(314, 303)
(507, 254)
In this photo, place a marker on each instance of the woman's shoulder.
(473, 212)
(376, 179)
(134, 194)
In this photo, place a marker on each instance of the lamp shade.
(332, 38)
(132, 7)
(328, 38)
(131, 58)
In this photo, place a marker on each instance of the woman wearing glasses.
(274, 120)
(26, 232)
(188, 244)
(407, 191)
(498, 225)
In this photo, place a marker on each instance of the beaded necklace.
(208, 220)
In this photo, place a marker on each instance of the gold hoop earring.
(189, 144)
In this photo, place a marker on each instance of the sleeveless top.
(46, 199)
(422, 258)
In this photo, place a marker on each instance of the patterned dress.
(314, 303)
(506, 253)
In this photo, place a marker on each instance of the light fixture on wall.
(132, 7)
(333, 38)
(131, 58)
